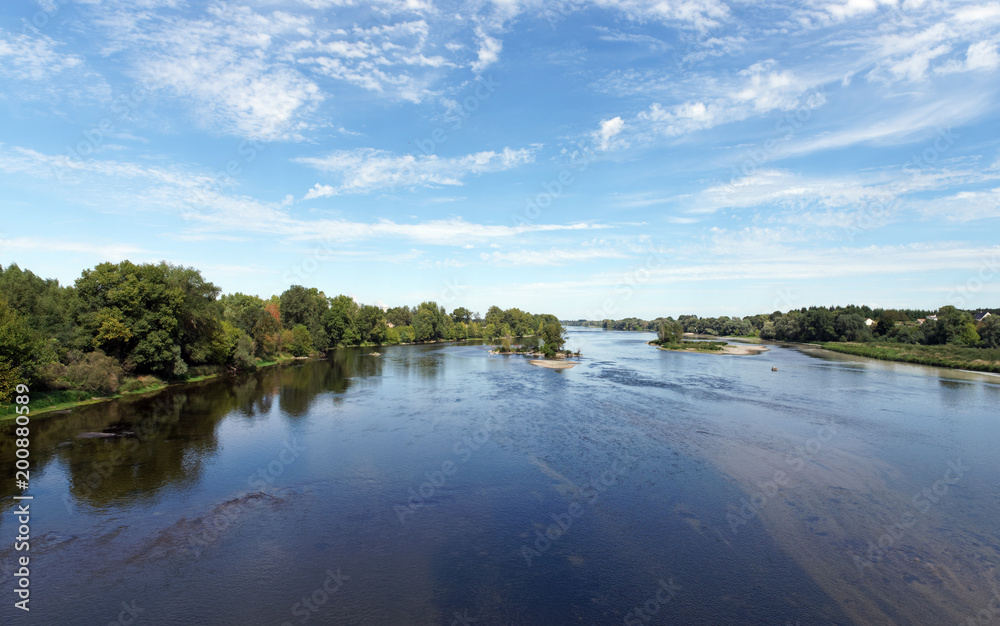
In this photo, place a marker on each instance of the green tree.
(19, 351)
(669, 332)
(989, 331)
(423, 324)
(819, 325)
(47, 308)
(301, 341)
(338, 321)
(399, 316)
(461, 314)
(200, 333)
(851, 327)
(552, 335)
(370, 324)
(952, 326)
(430, 322)
(251, 315)
(884, 326)
(306, 306)
(135, 313)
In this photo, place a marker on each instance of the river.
(438, 484)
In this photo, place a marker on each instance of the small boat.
(374, 354)
(774, 369)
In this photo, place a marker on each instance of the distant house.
(981, 316)
(869, 322)
(920, 320)
(932, 318)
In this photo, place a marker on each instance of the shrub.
(94, 372)
(142, 382)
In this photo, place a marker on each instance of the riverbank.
(47, 403)
(950, 356)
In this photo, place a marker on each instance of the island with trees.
(946, 337)
(132, 328)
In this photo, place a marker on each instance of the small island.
(670, 337)
(547, 343)
(710, 347)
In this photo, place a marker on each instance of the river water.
(438, 484)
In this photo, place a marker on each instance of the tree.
(952, 326)
(552, 335)
(423, 324)
(906, 334)
(301, 341)
(884, 326)
(19, 351)
(819, 325)
(200, 333)
(494, 315)
(136, 312)
(338, 321)
(399, 316)
(370, 325)
(989, 331)
(306, 306)
(461, 314)
(46, 307)
(430, 322)
(670, 332)
(851, 327)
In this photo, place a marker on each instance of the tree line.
(121, 323)
(947, 325)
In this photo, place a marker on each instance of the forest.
(946, 326)
(125, 327)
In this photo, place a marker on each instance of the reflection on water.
(439, 481)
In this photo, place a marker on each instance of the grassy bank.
(692, 346)
(43, 402)
(976, 359)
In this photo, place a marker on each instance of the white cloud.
(604, 137)
(366, 170)
(964, 206)
(982, 56)
(550, 257)
(979, 56)
(756, 90)
(488, 53)
(32, 58)
(105, 251)
(700, 14)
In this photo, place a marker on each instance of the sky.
(586, 158)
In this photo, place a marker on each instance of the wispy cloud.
(366, 170)
(551, 257)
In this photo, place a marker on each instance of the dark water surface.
(440, 485)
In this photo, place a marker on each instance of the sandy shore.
(743, 348)
(554, 365)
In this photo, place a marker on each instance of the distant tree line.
(822, 324)
(121, 322)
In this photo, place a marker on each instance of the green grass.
(959, 357)
(45, 401)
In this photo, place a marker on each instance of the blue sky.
(587, 158)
